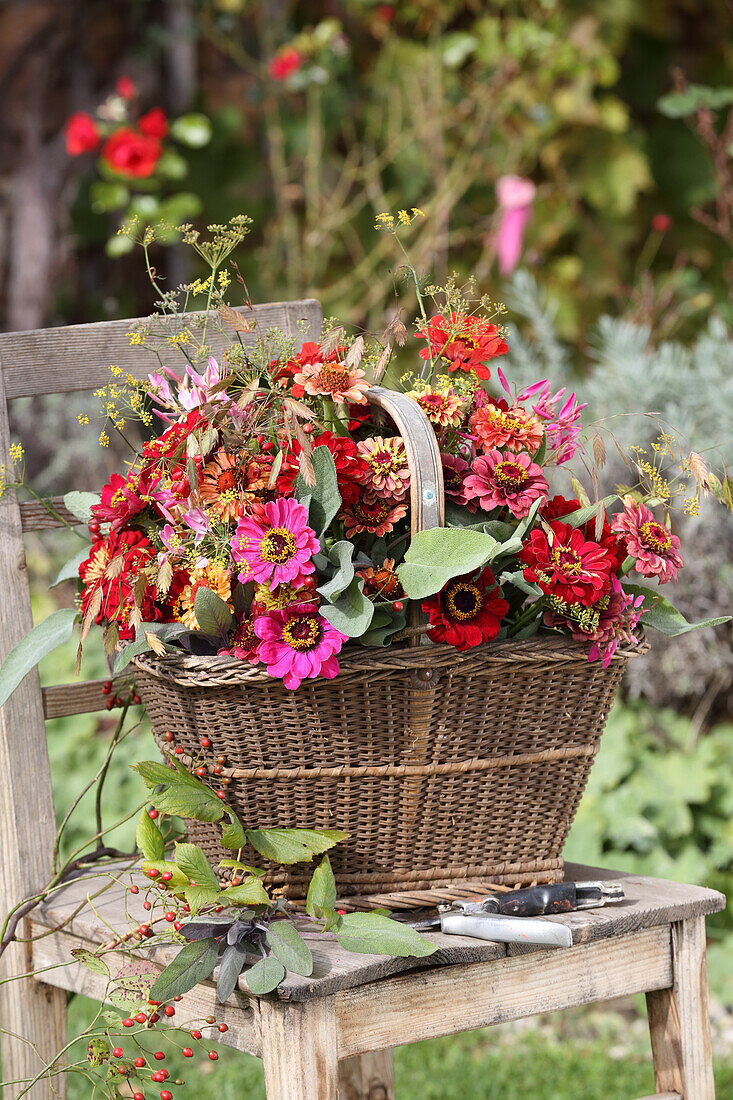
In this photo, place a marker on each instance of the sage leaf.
(212, 613)
(340, 557)
(287, 945)
(54, 631)
(70, 570)
(80, 505)
(375, 934)
(583, 515)
(434, 557)
(323, 499)
(265, 975)
(661, 615)
(352, 612)
(194, 963)
(232, 964)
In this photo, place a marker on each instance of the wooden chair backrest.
(47, 361)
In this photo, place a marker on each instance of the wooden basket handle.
(427, 498)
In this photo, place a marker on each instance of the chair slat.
(35, 517)
(61, 700)
(78, 357)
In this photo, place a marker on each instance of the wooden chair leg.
(300, 1050)
(679, 1022)
(33, 1018)
(367, 1077)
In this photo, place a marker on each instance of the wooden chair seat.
(357, 1007)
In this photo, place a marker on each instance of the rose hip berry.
(187, 1052)
(167, 876)
(152, 814)
(134, 889)
(195, 1034)
(166, 1095)
(169, 1010)
(213, 1055)
(118, 1052)
(128, 1023)
(159, 1055)
(223, 1028)
(205, 742)
(141, 1017)
(139, 1062)
(169, 736)
(170, 917)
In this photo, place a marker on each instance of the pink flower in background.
(511, 481)
(82, 135)
(277, 549)
(515, 196)
(298, 644)
(655, 548)
(285, 63)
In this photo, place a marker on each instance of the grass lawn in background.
(583, 1054)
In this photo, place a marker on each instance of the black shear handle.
(536, 900)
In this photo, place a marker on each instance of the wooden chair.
(330, 1035)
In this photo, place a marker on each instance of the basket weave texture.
(442, 766)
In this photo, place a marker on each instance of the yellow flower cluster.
(16, 471)
(391, 222)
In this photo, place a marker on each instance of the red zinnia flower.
(123, 497)
(286, 62)
(154, 124)
(82, 135)
(561, 506)
(110, 575)
(565, 565)
(467, 611)
(130, 153)
(466, 342)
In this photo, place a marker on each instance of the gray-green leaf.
(232, 964)
(193, 964)
(436, 556)
(352, 612)
(374, 934)
(80, 504)
(70, 570)
(323, 499)
(265, 976)
(212, 613)
(662, 616)
(287, 944)
(53, 632)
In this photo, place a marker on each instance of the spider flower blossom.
(498, 481)
(298, 644)
(278, 548)
(562, 426)
(655, 548)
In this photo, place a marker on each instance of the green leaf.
(80, 504)
(193, 129)
(172, 165)
(352, 612)
(662, 616)
(340, 556)
(132, 990)
(193, 964)
(237, 865)
(70, 570)
(178, 879)
(323, 499)
(199, 896)
(517, 579)
(105, 196)
(374, 934)
(98, 1050)
(293, 845)
(434, 557)
(287, 944)
(53, 632)
(194, 863)
(583, 515)
(119, 246)
(232, 964)
(694, 97)
(249, 892)
(322, 888)
(265, 976)
(182, 794)
(90, 960)
(524, 524)
(213, 614)
(232, 834)
(149, 838)
(384, 624)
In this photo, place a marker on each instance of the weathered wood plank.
(367, 1077)
(679, 1020)
(36, 517)
(27, 822)
(299, 1050)
(237, 1014)
(85, 697)
(462, 998)
(78, 357)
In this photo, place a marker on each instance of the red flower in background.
(467, 611)
(567, 566)
(126, 88)
(82, 135)
(131, 154)
(561, 506)
(154, 124)
(661, 222)
(285, 63)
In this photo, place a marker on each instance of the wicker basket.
(442, 766)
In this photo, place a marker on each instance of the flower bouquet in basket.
(354, 605)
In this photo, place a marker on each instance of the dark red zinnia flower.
(560, 506)
(109, 577)
(564, 564)
(351, 469)
(467, 611)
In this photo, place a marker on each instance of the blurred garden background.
(577, 157)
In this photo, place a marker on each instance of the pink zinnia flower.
(243, 643)
(652, 544)
(278, 547)
(377, 518)
(334, 380)
(455, 472)
(298, 644)
(498, 482)
(388, 476)
(498, 425)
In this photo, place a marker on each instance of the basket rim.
(215, 670)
